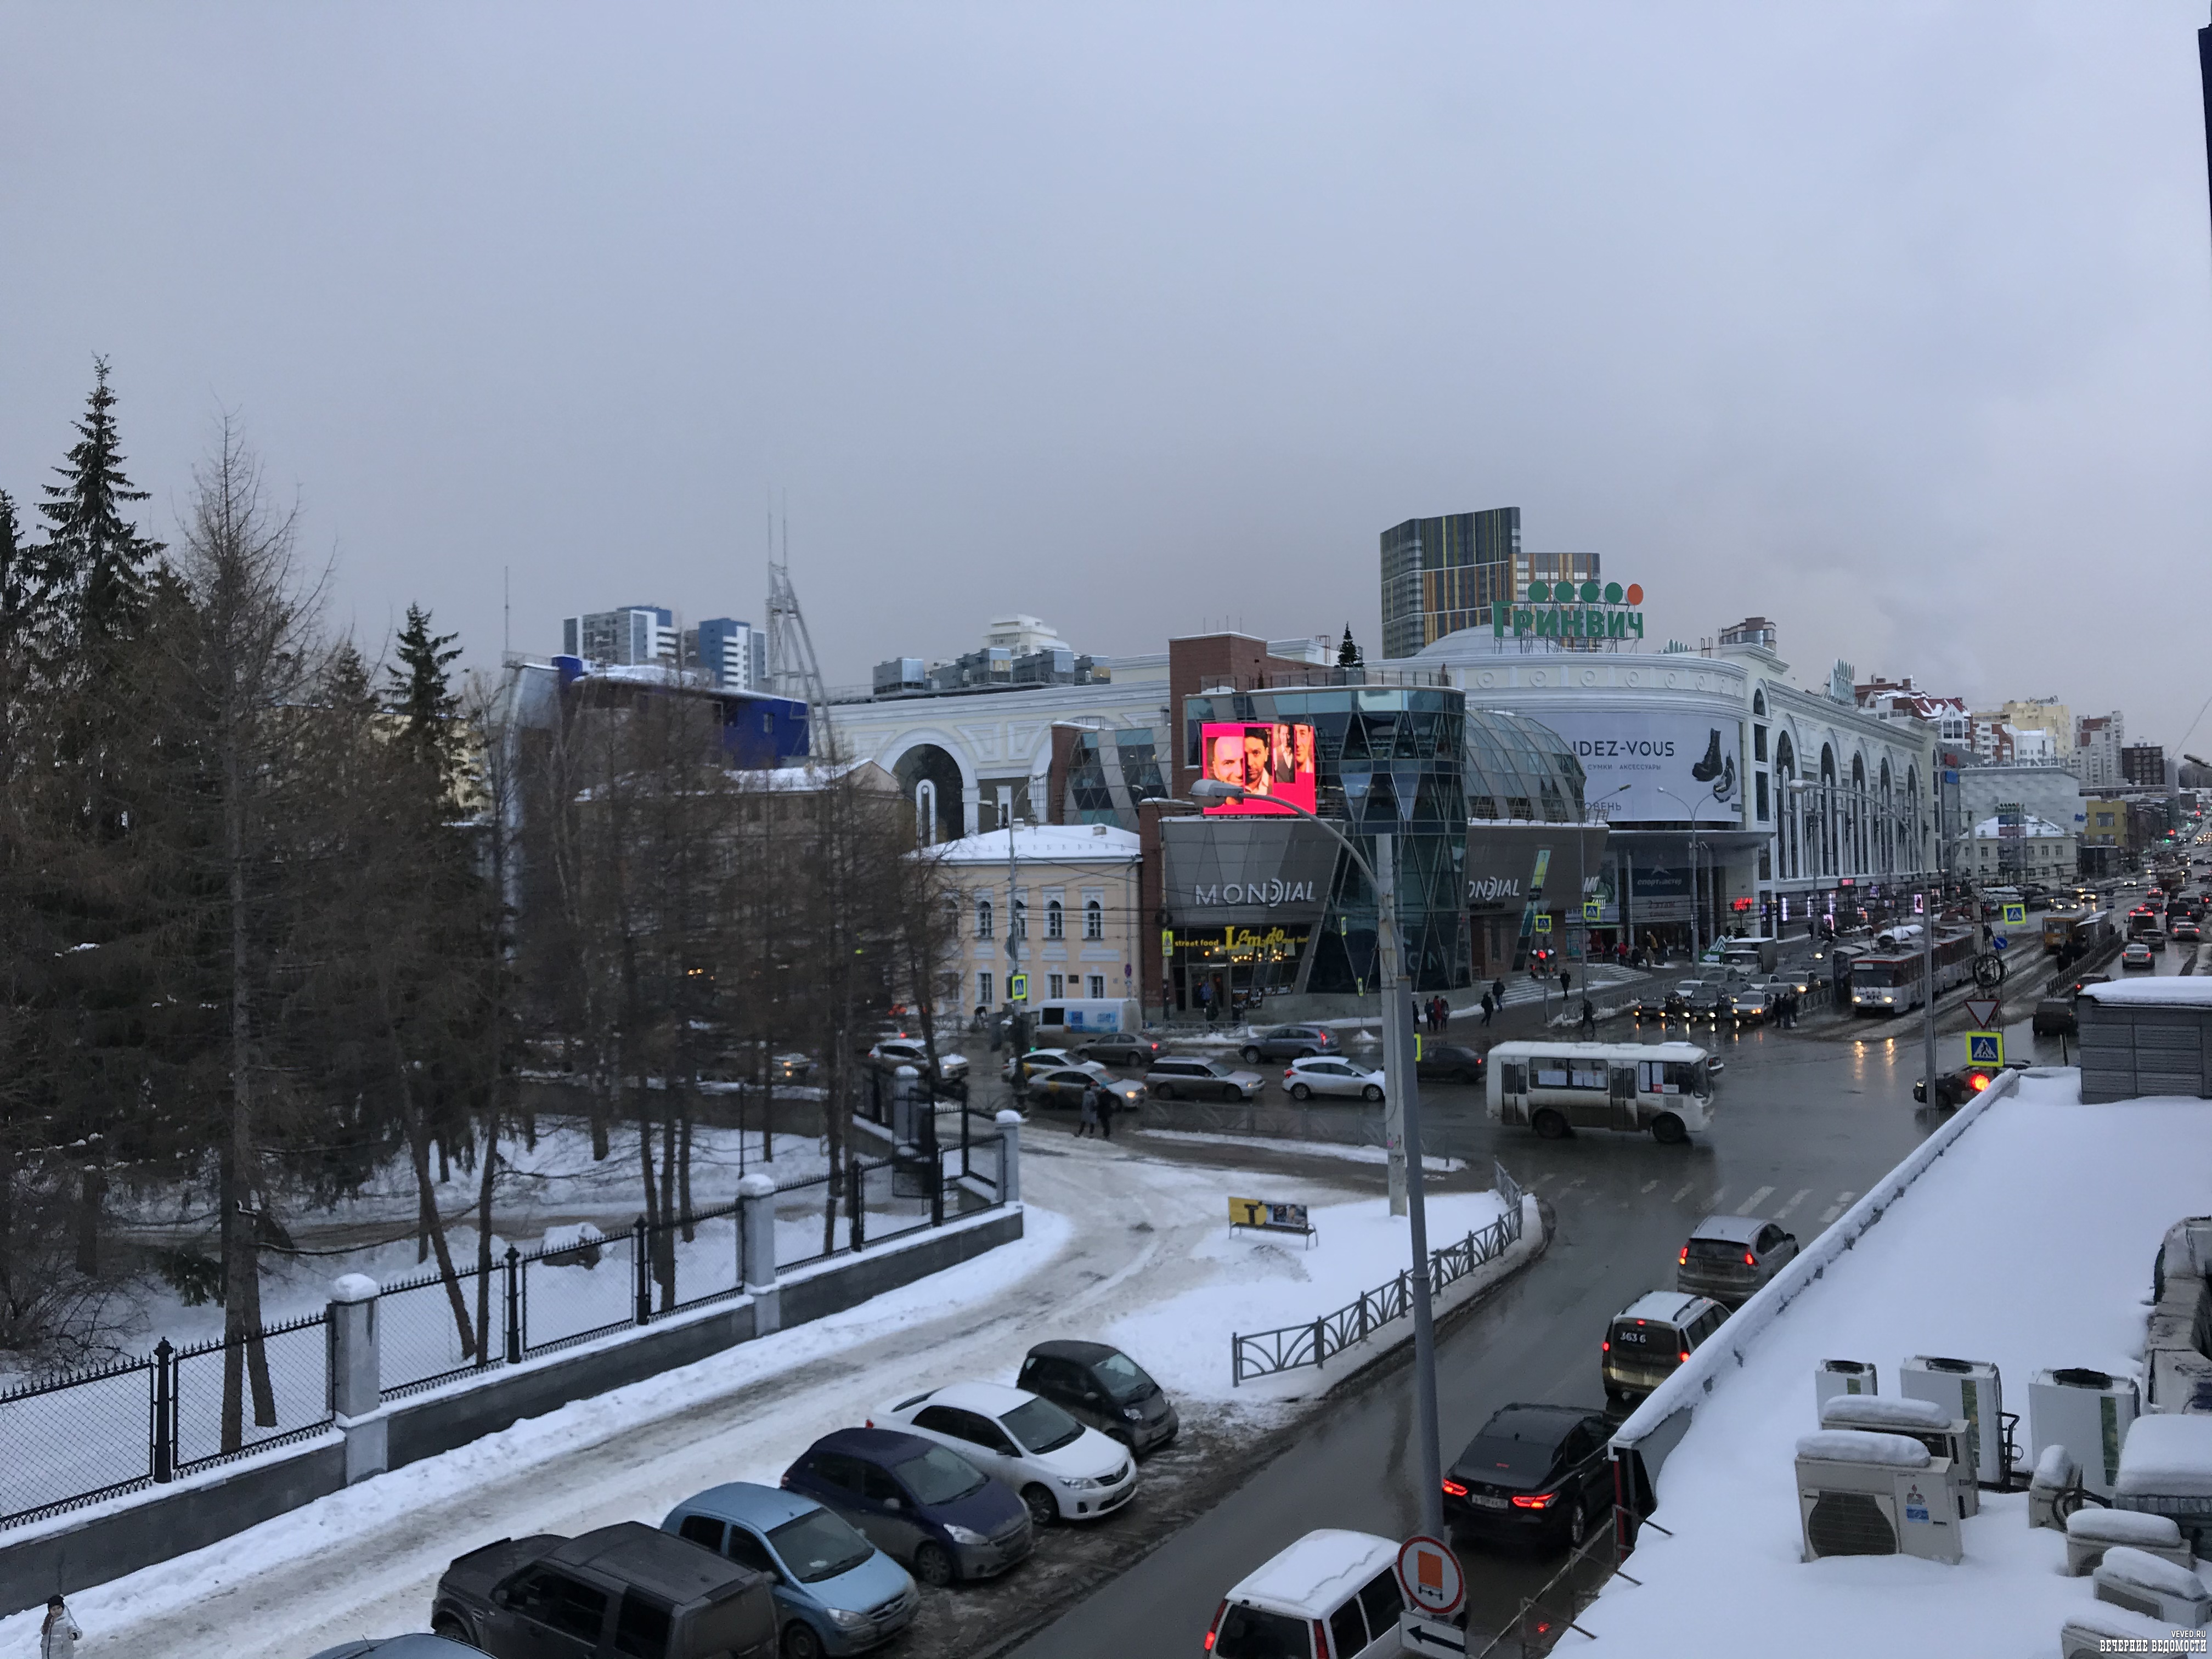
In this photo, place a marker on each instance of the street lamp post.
(1402, 1097)
(1696, 934)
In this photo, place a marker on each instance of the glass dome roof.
(1517, 767)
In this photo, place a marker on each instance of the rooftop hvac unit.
(2096, 1630)
(1863, 1493)
(1838, 1377)
(1968, 1388)
(2090, 1532)
(2165, 1468)
(1922, 1420)
(2141, 1583)
(2089, 1413)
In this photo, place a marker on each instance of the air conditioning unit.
(1863, 1493)
(2052, 1493)
(2141, 1583)
(2092, 1632)
(2090, 1532)
(1838, 1377)
(2087, 1412)
(1968, 1388)
(2165, 1468)
(1922, 1419)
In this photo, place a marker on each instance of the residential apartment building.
(2098, 740)
(2143, 765)
(2045, 714)
(1442, 575)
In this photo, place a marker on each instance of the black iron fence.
(1262, 1354)
(90, 1435)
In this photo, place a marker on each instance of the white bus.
(1554, 1088)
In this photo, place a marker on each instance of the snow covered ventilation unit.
(1922, 1420)
(2141, 1583)
(2091, 1533)
(2165, 1468)
(1968, 1388)
(2088, 1412)
(1864, 1493)
(1838, 1377)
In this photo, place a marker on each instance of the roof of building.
(2030, 826)
(1045, 843)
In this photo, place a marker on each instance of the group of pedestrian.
(1099, 1106)
(1785, 1011)
(1438, 1012)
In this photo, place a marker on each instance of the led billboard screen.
(1272, 760)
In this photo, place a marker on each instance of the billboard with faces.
(1270, 761)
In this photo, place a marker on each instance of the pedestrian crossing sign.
(1592, 910)
(1018, 987)
(1543, 924)
(2015, 915)
(1984, 1048)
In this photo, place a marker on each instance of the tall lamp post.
(1695, 933)
(1402, 1097)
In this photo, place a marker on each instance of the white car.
(1063, 1471)
(893, 1051)
(1345, 1583)
(1332, 1074)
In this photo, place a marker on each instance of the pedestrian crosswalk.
(1715, 1202)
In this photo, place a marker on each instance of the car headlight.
(844, 1618)
(1133, 1414)
(1078, 1482)
(965, 1535)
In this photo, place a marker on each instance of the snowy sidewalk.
(1112, 1235)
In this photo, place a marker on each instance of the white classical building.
(1759, 803)
(1065, 900)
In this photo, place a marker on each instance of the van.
(1333, 1594)
(1759, 956)
(1071, 1020)
(1651, 1337)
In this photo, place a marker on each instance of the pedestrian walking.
(1090, 1121)
(1589, 1018)
(1107, 1105)
(1497, 990)
(1487, 1006)
(59, 1636)
(1167, 1002)
(1566, 983)
(1205, 999)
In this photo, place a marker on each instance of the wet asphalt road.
(1807, 1119)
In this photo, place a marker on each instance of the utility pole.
(1394, 1046)
(1014, 1035)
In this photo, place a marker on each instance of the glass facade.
(1521, 770)
(1109, 773)
(1442, 575)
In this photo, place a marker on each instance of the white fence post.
(756, 1226)
(355, 1375)
(1009, 1157)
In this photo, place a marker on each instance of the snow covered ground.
(1374, 1155)
(1111, 1235)
(2028, 1243)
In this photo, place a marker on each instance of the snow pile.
(2133, 1566)
(1863, 1446)
(1255, 1281)
(2179, 990)
(2157, 1532)
(1947, 1269)
(1865, 1411)
(2166, 1456)
(1335, 1149)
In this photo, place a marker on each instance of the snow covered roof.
(2029, 828)
(1315, 1573)
(2173, 991)
(1045, 843)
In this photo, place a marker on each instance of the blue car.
(415, 1646)
(917, 1500)
(834, 1591)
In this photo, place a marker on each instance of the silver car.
(1727, 1257)
(1328, 1074)
(1181, 1077)
(1755, 1003)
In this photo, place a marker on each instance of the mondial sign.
(1568, 611)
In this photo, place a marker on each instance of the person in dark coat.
(1090, 1112)
(1497, 990)
(1589, 1018)
(1488, 1006)
(1107, 1105)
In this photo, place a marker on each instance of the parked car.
(835, 1592)
(1345, 1583)
(2138, 954)
(1449, 1062)
(1330, 1076)
(1533, 1473)
(1288, 1043)
(2055, 1017)
(625, 1589)
(1650, 1338)
(1062, 1470)
(916, 1501)
(1727, 1257)
(895, 1051)
(1063, 1085)
(1123, 1049)
(1032, 1060)
(1180, 1077)
(1103, 1388)
(413, 1645)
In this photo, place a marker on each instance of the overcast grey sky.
(1889, 321)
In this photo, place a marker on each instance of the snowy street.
(1111, 1233)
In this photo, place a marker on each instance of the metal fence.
(1347, 1125)
(94, 1434)
(1262, 1354)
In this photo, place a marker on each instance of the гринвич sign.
(1566, 610)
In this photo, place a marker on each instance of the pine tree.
(425, 696)
(94, 569)
(1349, 655)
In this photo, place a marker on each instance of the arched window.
(1759, 702)
(982, 917)
(1055, 920)
(1788, 804)
(1094, 919)
(1020, 925)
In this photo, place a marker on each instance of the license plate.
(1484, 1501)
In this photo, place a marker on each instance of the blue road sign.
(1984, 1048)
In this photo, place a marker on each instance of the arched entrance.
(929, 777)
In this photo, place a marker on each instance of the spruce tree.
(424, 696)
(1348, 655)
(95, 568)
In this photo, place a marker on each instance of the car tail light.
(1683, 1259)
(1320, 1640)
(1685, 1356)
(1749, 1260)
(1213, 1628)
(1454, 1489)
(1541, 1500)
(870, 1423)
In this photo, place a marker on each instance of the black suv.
(1103, 1388)
(1532, 1473)
(627, 1589)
